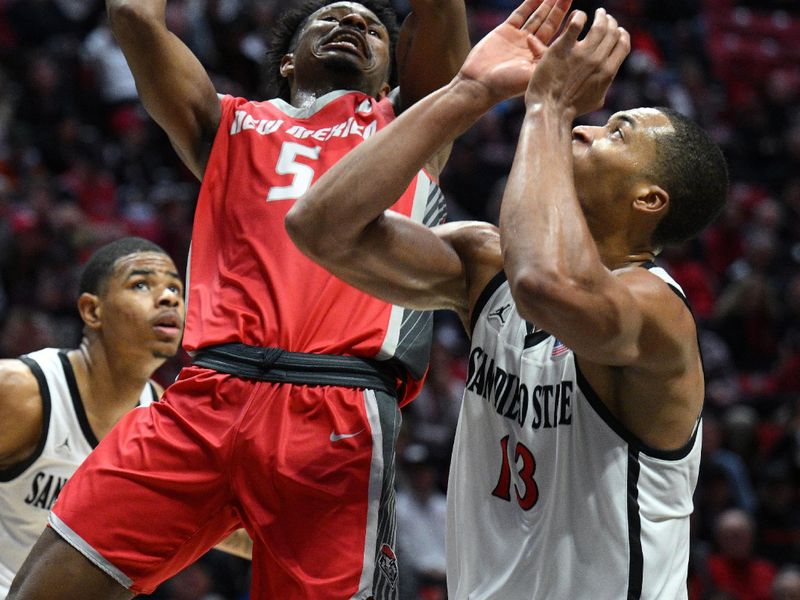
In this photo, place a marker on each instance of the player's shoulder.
(16, 378)
(20, 404)
(668, 319)
(653, 287)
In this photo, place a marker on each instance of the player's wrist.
(473, 96)
(538, 106)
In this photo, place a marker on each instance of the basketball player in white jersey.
(56, 404)
(578, 443)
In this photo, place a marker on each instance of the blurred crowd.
(81, 163)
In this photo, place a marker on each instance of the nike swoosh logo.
(335, 437)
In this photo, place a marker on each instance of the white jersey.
(550, 497)
(28, 490)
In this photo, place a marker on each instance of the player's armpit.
(238, 544)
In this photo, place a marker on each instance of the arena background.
(81, 164)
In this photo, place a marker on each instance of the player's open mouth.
(168, 324)
(348, 40)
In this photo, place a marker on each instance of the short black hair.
(690, 166)
(284, 35)
(100, 265)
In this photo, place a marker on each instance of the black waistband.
(282, 366)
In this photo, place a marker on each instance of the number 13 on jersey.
(525, 488)
(302, 173)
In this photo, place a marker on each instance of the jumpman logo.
(63, 447)
(500, 313)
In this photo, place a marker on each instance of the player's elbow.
(126, 15)
(532, 288)
(304, 228)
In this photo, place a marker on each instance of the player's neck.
(615, 259)
(107, 384)
(619, 250)
(305, 97)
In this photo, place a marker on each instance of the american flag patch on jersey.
(558, 349)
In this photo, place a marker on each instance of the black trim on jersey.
(537, 337)
(77, 402)
(484, 297)
(153, 393)
(635, 554)
(18, 469)
(602, 410)
(622, 431)
(649, 265)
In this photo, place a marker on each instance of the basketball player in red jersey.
(287, 419)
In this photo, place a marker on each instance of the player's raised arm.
(173, 85)
(559, 268)
(343, 222)
(432, 46)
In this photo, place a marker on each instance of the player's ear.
(384, 90)
(287, 66)
(651, 199)
(90, 309)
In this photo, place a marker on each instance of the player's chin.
(165, 350)
(164, 354)
(345, 62)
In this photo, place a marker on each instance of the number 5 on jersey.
(303, 174)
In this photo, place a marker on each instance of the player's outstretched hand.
(576, 74)
(503, 61)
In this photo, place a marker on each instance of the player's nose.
(169, 297)
(354, 19)
(583, 133)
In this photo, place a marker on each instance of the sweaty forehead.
(345, 7)
(649, 120)
(143, 261)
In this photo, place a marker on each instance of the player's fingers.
(611, 37)
(538, 17)
(536, 46)
(598, 29)
(523, 11)
(620, 51)
(572, 30)
(547, 30)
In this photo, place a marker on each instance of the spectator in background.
(786, 585)
(747, 317)
(778, 519)
(733, 567)
(421, 523)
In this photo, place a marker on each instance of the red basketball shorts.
(308, 471)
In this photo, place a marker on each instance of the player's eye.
(140, 285)
(617, 133)
(374, 32)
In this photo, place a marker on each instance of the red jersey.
(247, 282)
